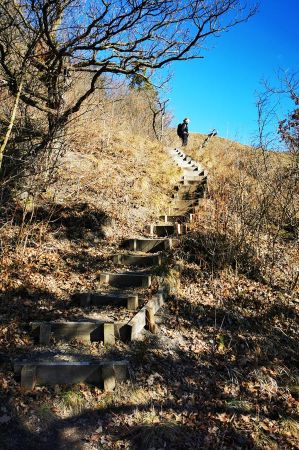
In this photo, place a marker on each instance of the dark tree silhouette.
(43, 42)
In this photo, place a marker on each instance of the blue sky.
(219, 91)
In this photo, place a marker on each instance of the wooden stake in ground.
(11, 123)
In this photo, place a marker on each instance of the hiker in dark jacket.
(184, 132)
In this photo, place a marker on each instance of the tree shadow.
(71, 221)
(215, 251)
(196, 393)
(200, 409)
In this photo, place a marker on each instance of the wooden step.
(128, 299)
(138, 260)
(189, 182)
(197, 170)
(87, 331)
(139, 321)
(184, 203)
(127, 279)
(164, 229)
(188, 188)
(177, 218)
(49, 372)
(188, 195)
(181, 210)
(148, 245)
(192, 177)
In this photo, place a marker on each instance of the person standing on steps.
(183, 131)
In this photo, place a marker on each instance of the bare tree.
(289, 127)
(42, 42)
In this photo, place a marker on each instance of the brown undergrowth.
(222, 371)
(108, 184)
(251, 213)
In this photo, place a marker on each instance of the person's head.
(186, 120)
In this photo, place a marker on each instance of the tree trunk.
(11, 123)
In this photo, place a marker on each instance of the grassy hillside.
(221, 373)
(110, 180)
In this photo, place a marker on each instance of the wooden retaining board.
(163, 230)
(139, 321)
(96, 331)
(184, 203)
(148, 245)
(127, 299)
(98, 373)
(177, 218)
(187, 196)
(190, 189)
(127, 279)
(138, 260)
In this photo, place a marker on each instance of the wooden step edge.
(145, 316)
(86, 299)
(164, 242)
(132, 259)
(86, 331)
(105, 373)
(143, 280)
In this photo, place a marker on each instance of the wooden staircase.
(138, 258)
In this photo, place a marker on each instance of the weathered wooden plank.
(138, 260)
(44, 333)
(28, 377)
(109, 336)
(188, 196)
(108, 374)
(127, 279)
(163, 230)
(67, 372)
(138, 322)
(176, 218)
(132, 303)
(105, 298)
(82, 298)
(67, 331)
(113, 299)
(148, 245)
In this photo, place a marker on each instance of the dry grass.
(253, 208)
(221, 372)
(115, 163)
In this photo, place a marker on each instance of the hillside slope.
(221, 373)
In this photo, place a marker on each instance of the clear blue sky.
(219, 91)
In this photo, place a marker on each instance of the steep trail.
(133, 283)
